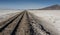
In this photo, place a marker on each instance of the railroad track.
(23, 23)
(24, 28)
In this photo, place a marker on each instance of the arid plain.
(49, 19)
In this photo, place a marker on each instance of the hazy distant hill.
(53, 7)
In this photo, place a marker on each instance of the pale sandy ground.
(6, 14)
(50, 19)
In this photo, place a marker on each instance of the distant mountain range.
(53, 7)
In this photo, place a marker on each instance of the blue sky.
(26, 4)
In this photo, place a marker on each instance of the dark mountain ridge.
(53, 7)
